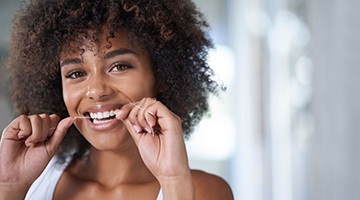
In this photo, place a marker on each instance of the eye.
(119, 67)
(75, 74)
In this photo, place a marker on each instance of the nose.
(97, 88)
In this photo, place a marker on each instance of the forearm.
(178, 188)
(12, 190)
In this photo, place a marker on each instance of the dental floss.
(81, 117)
(134, 104)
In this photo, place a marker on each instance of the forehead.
(99, 45)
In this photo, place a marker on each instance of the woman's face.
(101, 79)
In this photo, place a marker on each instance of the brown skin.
(102, 80)
(99, 80)
(127, 158)
(173, 35)
(211, 187)
(135, 165)
(27, 145)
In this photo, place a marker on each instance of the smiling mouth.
(101, 117)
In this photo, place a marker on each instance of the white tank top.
(44, 187)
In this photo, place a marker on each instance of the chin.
(112, 142)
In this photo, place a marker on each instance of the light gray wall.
(334, 158)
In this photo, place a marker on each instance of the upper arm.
(210, 187)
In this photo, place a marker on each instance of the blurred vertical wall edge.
(333, 159)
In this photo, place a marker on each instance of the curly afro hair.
(173, 32)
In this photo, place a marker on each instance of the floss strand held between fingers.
(148, 111)
(146, 117)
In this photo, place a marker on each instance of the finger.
(145, 117)
(141, 115)
(19, 128)
(132, 116)
(137, 115)
(123, 112)
(134, 130)
(54, 120)
(162, 119)
(150, 114)
(135, 108)
(24, 126)
(45, 119)
(36, 130)
(59, 133)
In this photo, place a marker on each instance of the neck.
(111, 168)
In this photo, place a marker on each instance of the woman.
(110, 88)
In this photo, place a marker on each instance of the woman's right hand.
(27, 144)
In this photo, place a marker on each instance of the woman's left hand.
(157, 133)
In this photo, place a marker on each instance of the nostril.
(98, 91)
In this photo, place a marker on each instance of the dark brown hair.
(173, 32)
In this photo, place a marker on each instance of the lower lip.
(105, 126)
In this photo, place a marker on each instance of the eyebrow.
(108, 55)
(120, 51)
(70, 61)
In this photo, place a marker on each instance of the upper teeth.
(102, 115)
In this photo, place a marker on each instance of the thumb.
(57, 137)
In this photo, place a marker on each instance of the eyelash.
(120, 67)
(78, 74)
(75, 74)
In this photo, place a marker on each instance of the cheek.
(71, 99)
(67, 97)
(145, 87)
(148, 83)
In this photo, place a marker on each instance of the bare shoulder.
(210, 187)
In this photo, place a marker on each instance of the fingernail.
(148, 130)
(137, 128)
(117, 112)
(28, 144)
(151, 120)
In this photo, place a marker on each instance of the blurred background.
(287, 126)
